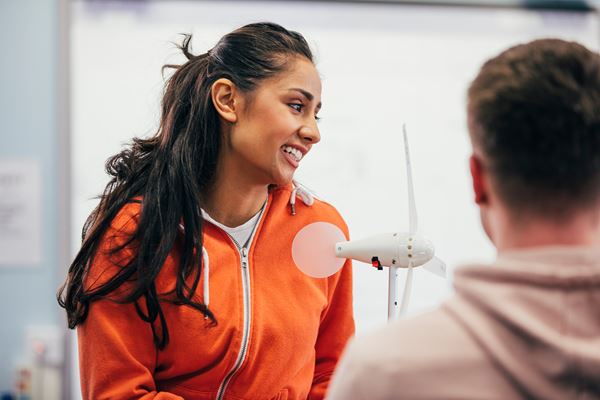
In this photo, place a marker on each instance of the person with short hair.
(528, 326)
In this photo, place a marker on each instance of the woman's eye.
(296, 106)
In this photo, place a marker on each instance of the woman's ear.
(223, 94)
(480, 188)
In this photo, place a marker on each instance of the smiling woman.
(205, 203)
(268, 131)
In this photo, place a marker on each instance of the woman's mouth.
(292, 155)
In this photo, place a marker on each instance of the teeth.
(295, 152)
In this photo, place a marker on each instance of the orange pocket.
(282, 395)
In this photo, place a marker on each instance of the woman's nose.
(310, 133)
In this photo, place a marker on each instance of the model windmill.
(396, 250)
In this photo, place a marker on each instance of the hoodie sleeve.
(336, 328)
(117, 355)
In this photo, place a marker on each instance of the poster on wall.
(20, 213)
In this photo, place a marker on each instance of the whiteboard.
(382, 65)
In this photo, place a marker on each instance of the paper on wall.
(20, 212)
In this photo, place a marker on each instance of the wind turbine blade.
(436, 266)
(412, 208)
(407, 289)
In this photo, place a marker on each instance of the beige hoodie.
(526, 327)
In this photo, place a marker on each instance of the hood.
(536, 313)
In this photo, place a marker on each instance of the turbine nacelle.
(396, 249)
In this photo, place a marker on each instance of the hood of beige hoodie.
(536, 313)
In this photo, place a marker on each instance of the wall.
(29, 129)
(382, 65)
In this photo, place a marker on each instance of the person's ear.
(480, 187)
(223, 93)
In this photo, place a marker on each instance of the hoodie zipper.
(245, 270)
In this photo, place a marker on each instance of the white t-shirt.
(241, 233)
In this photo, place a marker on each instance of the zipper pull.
(244, 257)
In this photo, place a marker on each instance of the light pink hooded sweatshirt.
(527, 326)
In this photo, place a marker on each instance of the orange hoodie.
(279, 333)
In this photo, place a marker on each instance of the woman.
(184, 287)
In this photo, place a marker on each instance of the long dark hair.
(168, 173)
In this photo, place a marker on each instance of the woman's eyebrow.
(305, 93)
